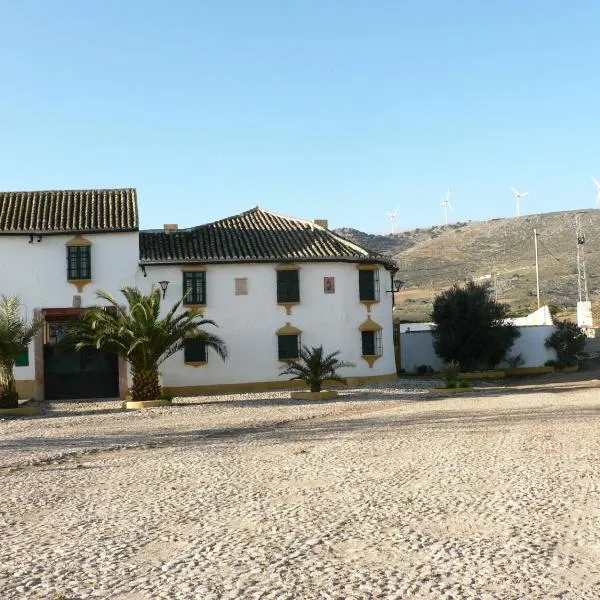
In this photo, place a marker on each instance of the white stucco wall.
(248, 323)
(37, 273)
(417, 348)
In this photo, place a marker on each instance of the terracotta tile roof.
(68, 211)
(256, 235)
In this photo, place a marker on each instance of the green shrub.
(470, 327)
(464, 383)
(425, 370)
(514, 362)
(450, 376)
(568, 341)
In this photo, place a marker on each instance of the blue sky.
(339, 109)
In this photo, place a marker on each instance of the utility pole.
(537, 270)
(582, 286)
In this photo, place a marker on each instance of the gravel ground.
(386, 493)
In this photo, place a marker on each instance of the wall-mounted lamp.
(39, 239)
(396, 285)
(31, 238)
(163, 286)
(144, 270)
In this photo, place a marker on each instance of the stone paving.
(386, 493)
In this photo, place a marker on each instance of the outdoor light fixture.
(396, 285)
(163, 286)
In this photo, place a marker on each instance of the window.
(288, 286)
(368, 284)
(79, 262)
(241, 286)
(56, 331)
(194, 287)
(371, 343)
(288, 346)
(194, 351)
(23, 359)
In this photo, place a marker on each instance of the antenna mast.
(537, 270)
(582, 286)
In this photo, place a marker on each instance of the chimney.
(321, 223)
(169, 227)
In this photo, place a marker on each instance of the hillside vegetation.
(500, 251)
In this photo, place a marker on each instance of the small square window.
(194, 351)
(288, 346)
(368, 285)
(371, 343)
(329, 285)
(288, 286)
(79, 262)
(194, 287)
(241, 286)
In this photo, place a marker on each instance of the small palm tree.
(139, 335)
(314, 367)
(15, 335)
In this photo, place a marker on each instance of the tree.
(314, 367)
(471, 330)
(15, 335)
(139, 335)
(568, 341)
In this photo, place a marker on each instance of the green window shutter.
(72, 263)
(195, 351)
(287, 346)
(288, 286)
(194, 287)
(368, 342)
(366, 284)
(85, 262)
(23, 359)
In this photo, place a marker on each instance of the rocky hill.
(500, 251)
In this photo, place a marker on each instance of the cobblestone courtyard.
(384, 494)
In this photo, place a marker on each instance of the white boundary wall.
(416, 348)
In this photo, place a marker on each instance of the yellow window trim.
(367, 267)
(196, 363)
(198, 306)
(287, 267)
(79, 283)
(288, 329)
(193, 269)
(78, 240)
(370, 325)
(288, 306)
(371, 358)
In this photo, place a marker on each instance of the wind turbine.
(518, 196)
(597, 184)
(392, 217)
(446, 205)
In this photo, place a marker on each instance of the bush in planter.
(314, 367)
(15, 335)
(425, 370)
(568, 341)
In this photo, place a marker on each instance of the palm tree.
(314, 367)
(139, 335)
(15, 335)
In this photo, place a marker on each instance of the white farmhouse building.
(270, 282)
